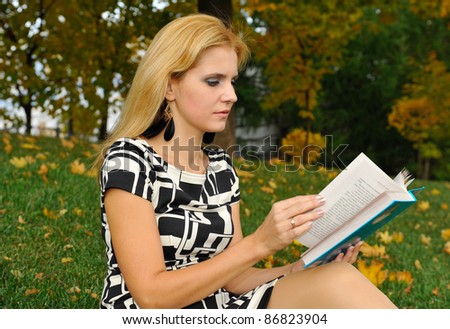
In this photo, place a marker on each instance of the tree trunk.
(27, 108)
(103, 129)
(222, 9)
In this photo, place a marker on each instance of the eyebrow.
(221, 75)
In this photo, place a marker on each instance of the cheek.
(198, 104)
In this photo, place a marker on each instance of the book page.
(350, 192)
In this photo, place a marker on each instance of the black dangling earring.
(170, 130)
(208, 138)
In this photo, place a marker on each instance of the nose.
(229, 95)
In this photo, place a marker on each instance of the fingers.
(351, 254)
(301, 203)
(289, 219)
(297, 206)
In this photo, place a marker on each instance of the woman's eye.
(212, 82)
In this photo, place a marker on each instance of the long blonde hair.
(173, 51)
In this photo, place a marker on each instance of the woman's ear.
(170, 93)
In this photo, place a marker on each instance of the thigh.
(334, 285)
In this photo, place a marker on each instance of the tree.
(422, 116)
(108, 36)
(26, 41)
(358, 96)
(300, 42)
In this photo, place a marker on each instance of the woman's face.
(201, 100)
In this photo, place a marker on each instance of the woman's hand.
(350, 255)
(287, 220)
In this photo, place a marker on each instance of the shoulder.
(219, 160)
(220, 163)
(127, 153)
(126, 145)
(218, 155)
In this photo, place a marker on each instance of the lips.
(223, 113)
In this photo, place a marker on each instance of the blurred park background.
(346, 76)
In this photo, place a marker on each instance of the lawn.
(52, 253)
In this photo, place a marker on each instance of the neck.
(185, 154)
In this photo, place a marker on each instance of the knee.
(341, 273)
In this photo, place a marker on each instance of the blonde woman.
(170, 207)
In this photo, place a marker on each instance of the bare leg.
(334, 285)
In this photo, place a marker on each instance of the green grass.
(52, 254)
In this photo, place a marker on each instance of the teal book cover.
(366, 229)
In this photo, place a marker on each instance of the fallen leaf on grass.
(384, 237)
(32, 291)
(435, 291)
(445, 234)
(21, 220)
(270, 261)
(49, 214)
(75, 290)
(8, 148)
(19, 162)
(16, 273)
(67, 247)
(435, 191)
(66, 260)
(272, 184)
(426, 240)
(30, 146)
(77, 168)
(374, 271)
(398, 237)
(41, 156)
(67, 144)
(423, 205)
(447, 248)
(401, 276)
(267, 189)
(244, 174)
(43, 171)
(373, 251)
(418, 264)
(78, 212)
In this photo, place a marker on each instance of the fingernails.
(320, 213)
(320, 199)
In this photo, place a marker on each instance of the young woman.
(170, 208)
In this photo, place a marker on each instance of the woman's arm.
(256, 276)
(138, 250)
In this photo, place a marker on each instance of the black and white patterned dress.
(193, 213)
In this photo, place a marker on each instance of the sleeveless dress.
(193, 214)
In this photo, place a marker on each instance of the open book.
(360, 200)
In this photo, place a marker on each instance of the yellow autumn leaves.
(20, 162)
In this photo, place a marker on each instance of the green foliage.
(303, 147)
(300, 42)
(75, 67)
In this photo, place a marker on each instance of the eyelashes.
(212, 82)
